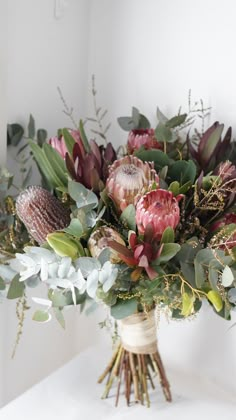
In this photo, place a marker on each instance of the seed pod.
(99, 240)
(63, 245)
(41, 212)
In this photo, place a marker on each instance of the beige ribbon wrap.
(138, 333)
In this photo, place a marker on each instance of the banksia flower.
(99, 240)
(128, 178)
(142, 138)
(160, 209)
(41, 212)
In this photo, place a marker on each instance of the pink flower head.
(160, 209)
(129, 178)
(145, 138)
(228, 219)
(58, 143)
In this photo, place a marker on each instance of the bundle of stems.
(134, 372)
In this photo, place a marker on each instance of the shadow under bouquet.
(154, 228)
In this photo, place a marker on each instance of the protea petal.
(128, 178)
(142, 138)
(160, 209)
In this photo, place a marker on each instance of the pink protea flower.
(58, 143)
(145, 138)
(160, 209)
(129, 178)
(228, 219)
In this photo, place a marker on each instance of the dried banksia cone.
(41, 212)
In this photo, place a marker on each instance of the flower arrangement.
(154, 228)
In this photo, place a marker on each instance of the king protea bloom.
(129, 178)
(99, 240)
(159, 209)
(145, 138)
(41, 212)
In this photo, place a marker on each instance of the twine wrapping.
(138, 333)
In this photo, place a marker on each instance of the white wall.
(43, 53)
(151, 52)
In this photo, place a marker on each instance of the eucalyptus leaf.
(75, 228)
(159, 158)
(168, 252)
(2, 284)
(128, 217)
(41, 316)
(124, 308)
(41, 136)
(164, 134)
(227, 277)
(60, 317)
(16, 289)
(31, 127)
(176, 121)
(168, 235)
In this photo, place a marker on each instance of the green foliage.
(2, 284)
(16, 289)
(136, 122)
(84, 137)
(41, 316)
(15, 133)
(183, 171)
(60, 317)
(169, 250)
(83, 197)
(215, 298)
(128, 217)
(75, 228)
(51, 164)
(124, 308)
(168, 236)
(159, 158)
(31, 127)
(69, 140)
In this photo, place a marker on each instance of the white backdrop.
(143, 53)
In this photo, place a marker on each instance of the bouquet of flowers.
(150, 229)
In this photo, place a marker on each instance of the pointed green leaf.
(69, 140)
(16, 289)
(2, 284)
(187, 304)
(215, 298)
(168, 235)
(176, 121)
(168, 251)
(31, 127)
(60, 317)
(128, 217)
(124, 308)
(84, 137)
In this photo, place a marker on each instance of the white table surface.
(71, 393)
